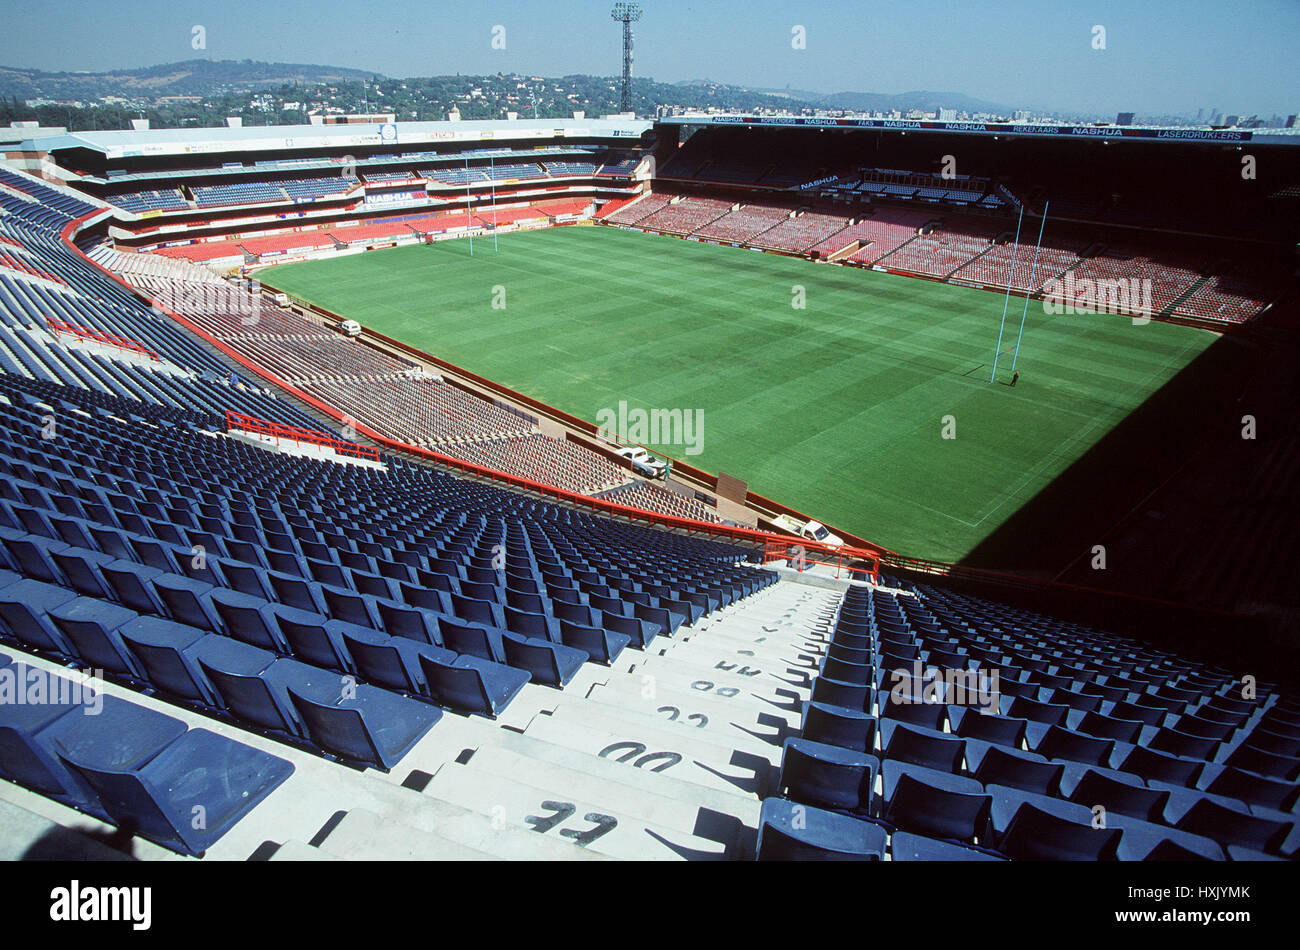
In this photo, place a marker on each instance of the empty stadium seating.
(1044, 726)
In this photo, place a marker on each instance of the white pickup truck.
(810, 530)
(643, 463)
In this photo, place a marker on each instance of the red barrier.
(86, 333)
(805, 554)
(277, 430)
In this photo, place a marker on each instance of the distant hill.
(195, 77)
(888, 101)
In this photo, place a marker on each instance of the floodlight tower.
(627, 14)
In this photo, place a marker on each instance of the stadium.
(714, 487)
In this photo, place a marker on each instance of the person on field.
(1015, 377)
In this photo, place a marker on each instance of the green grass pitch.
(837, 409)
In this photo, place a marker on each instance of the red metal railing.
(803, 554)
(278, 431)
(107, 339)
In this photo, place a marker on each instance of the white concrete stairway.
(665, 756)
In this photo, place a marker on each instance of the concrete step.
(744, 712)
(363, 836)
(639, 800)
(294, 850)
(730, 801)
(721, 732)
(584, 825)
(744, 676)
(675, 753)
(707, 649)
(28, 836)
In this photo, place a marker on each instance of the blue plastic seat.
(934, 803)
(476, 611)
(32, 555)
(1014, 768)
(314, 639)
(906, 846)
(351, 607)
(920, 746)
(122, 735)
(81, 568)
(1269, 764)
(1036, 834)
(1157, 766)
(249, 619)
(422, 597)
(24, 760)
(667, 621)
(256, 693)
(847, 695)
(368, 724)
(973, 723)
(131, 584)
(534, 625)
(201, 769)
(551, 664)
(296, 592)
(1119, 796)
(827, 776)
(790, 831)
(1231, 826)
(639, 632)
(1109, 727)
(24, 612)
(391, 662)
(848, 671)
(248, 579)
(164, 651)
(473, 685)
(1054, 742)
(188, 600)
(600, 645)
(412, 623)
(838, 726)
(472, 640)
(91, 626)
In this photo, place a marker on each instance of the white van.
(812, 531)
(350, 328)
(643, 463)
(282, 300)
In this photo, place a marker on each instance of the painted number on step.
(631, 749)
(561, 812)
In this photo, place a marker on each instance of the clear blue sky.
(1161, 55)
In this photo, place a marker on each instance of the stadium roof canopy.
(1036, 130)
(127, 144)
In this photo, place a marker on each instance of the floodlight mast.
(627, 14)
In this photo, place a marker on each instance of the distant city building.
(1124, 118)
(1290, 122)
(1022, 115)
(947, 115)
